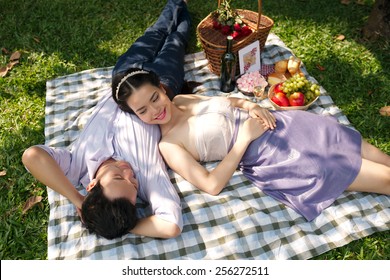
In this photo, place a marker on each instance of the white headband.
(125, 78)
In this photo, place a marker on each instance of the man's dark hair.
(107, 218)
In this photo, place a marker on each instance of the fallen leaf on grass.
(4, 51)
(15, 56)
(37, 40)
(340, 37)
(31, 202)
(14, 59)
(321, 68)
(3, 71)
(385, 111)
(3, 173)
(345, 2)
(12, 64)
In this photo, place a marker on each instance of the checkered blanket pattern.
(240, 223)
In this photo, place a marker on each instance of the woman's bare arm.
(212, 182)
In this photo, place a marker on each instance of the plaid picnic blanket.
(240, 223)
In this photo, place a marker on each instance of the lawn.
(59, 37)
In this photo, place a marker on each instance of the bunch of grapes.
(300, 83)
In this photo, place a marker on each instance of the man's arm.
(46, 170)
(153, 226)
(138, 143)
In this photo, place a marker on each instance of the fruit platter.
(290, 89)
(295, 93)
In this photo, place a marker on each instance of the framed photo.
(249, 58)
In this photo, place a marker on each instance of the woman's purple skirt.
(306, 162)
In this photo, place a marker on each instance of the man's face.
(117, 180)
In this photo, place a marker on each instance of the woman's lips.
(162, 115)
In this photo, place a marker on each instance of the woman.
(109, 157)
(301, 159)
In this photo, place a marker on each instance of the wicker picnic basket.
(214, 42)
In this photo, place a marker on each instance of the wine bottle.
(228, 67)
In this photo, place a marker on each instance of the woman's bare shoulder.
(168, 143)
(187, 99)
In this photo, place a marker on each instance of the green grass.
(59, 37)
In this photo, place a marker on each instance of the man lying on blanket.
(116, 157)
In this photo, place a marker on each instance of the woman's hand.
(251, 129)
(255, 111)
(266, 116)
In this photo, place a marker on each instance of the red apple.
(278, 88)
(280, 99)
(276, 101)
(297, 99)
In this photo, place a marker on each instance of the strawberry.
(226, 29)
(236, 35)
(246, 30)
(237, 27)
(217, 25)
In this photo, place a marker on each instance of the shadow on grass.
(93, 33)
(79, 32)
(359, 96)
(59, 37)
(330, 15)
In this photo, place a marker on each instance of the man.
(119, 154)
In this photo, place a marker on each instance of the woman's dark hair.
(107, 218)
(124, 83)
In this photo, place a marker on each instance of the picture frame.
(249, 58)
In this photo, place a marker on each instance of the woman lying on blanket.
(299, 158)
(95, 157)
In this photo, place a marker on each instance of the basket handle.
(259, 7)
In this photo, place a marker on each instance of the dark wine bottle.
(228, 67)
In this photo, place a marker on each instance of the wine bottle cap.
(230, 37)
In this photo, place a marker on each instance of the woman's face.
(151, 104)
